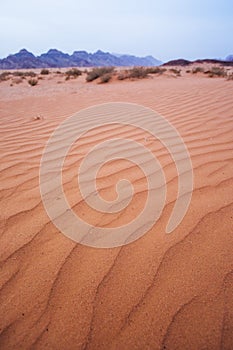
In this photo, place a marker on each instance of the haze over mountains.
(56, 58)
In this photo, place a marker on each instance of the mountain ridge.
(54, 58)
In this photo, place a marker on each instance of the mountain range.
(55, 58)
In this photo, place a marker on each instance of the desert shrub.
(123, 76)
(24, 74)
(135, 73)
(188, 71)
(44, 71)
(4, 76)
(175, 71)
(58, 72)
(73, 73)
(105, 78)
(138, 73)
(230, 76)
(155, 70)
(32, 82)
(96, 73)
(216, 72)
(197, 70)
(30, 74)
(18, 73)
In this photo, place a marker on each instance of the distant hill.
(178, 62)
(229, 58)
(183, 62)
(54, 58)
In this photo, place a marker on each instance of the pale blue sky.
(166, 29)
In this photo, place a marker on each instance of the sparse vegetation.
(44, 71)
(175, 71)
(32, 82)
(96, 73)
(24, 74)
(133, 73)
(156, 70)
(138, 73)
(216, 72)
(4, 76)
(105, 78)
(73, 73)
(230, 76)
(122, 76)
(197, 70)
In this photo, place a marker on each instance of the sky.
(166, 29)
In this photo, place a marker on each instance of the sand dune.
(160, 292)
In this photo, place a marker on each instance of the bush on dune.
(133, 73)
(4, 76)
(156, 70)
(73, 73)
(138, 73)
(230, 76)
(123, 76)
(32, 82)
(96, 73)
(175, 71)
(105, 78)
(197, 70)
(24, 74)
(216, 72)
(44, 71)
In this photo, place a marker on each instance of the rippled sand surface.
(163, 291)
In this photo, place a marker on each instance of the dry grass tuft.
(32, 82)
(44, 71)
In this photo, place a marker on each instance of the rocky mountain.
(55, 58)
(22, 59)
(229, 58)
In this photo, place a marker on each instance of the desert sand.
(163, 291)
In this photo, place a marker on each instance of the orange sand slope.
(160, 292)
